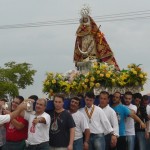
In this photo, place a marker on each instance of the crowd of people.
(118, 122)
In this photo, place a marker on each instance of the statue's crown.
(85, 10)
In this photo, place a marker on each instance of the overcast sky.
(50, 48)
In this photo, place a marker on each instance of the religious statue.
(91, 44)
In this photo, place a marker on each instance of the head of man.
(116, 98)
(58, 102)
(128, 98)
(89, 99)
(145, 100)
(16, 101)
(2, 101)
(40, 106)
(103, 99)
(74, 104)
(137, 98)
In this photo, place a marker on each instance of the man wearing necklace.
(62, 127)
(81, 126)
(98, 123)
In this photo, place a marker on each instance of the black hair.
(105, 93)
(128, 93)
(3, 100)
(60, 95)
(145, 97)
(77, 99)
(21, 98)
(90, 95)
(34, 97)
(118, 93)
(137, 95)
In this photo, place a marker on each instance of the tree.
(14, 77)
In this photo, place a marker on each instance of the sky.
(50, 48)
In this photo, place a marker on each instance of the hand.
(147, 135)
(35, 121)
(6, 111)
(85, 146)
(70, 147)
(113, 141)
(22, 106)
(142, 125)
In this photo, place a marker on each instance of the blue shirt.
(122, 112)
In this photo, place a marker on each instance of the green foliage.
(14, 77)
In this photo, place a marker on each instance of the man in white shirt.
(129, 122)
(38, 129)
(98, 123)
(81, 126)
(111, 139)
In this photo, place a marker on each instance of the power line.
(105, 18)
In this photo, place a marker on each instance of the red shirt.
(14, 135)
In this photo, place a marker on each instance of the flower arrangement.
(101, 76)
(53, 83)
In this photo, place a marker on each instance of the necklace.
(54, 126)
(89, 114)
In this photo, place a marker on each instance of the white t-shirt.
(99, 122)
(39, 133)
(148, 113)
(129, 122)
(112, 117)
(81, 124)
(4, 118)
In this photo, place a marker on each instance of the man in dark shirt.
(62, 128)
(141, 113)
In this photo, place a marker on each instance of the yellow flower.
(46, 83)
(141, 75)
(53, 81)
(129, 66)
(50, 74)
(92, 79)
(113, 80)
(109, 72)
(101, 75)
(98, 71)
(91, 84)
(134, 72)
(95, 63)
(107, 75)
(97, 85)
(103, 66)
(86, 80)
(83, 84)
(74, 83)
(95, 66)
(60, 76)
